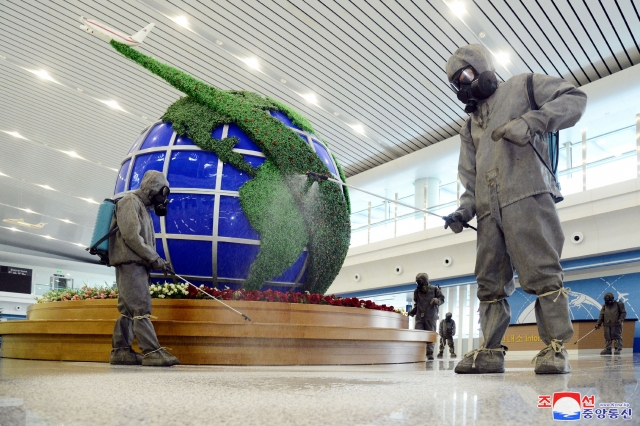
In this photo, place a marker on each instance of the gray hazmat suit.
(132, 250)
(612, 316)
(447, 330)
(427, 299)
(512, 194)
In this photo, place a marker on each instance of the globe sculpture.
(242, 211)
(205, 234)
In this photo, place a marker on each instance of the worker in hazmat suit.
(447, 330)
(132, 250)
(427, 299)
(505, 169)
(612, 316)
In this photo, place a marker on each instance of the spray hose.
(318, 177)
(214, 298)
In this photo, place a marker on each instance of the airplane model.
(622, 297)
(21, 222)
(102, 31)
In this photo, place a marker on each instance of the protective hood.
(152, 182)
(608, 298)
(474, 55)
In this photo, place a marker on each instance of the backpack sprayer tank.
(101, 231)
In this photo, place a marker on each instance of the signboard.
(15, 280)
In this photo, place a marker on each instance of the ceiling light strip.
(47, 237)
(71, 154)
(45, 215)
(47, 187)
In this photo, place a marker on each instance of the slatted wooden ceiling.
(375, 63)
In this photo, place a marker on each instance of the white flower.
(161, 296)
(165, 290)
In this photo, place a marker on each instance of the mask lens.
(466, 76)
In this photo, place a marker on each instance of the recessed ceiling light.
(181, 20)
(336, 113)
(112, 104)
(43, 74)
(457, 7)
(14, 134)
(90, 200)
(482, 34)
(115, 170)
(144, 117)
(79, 244)
(28, 210)
(65, 220)
(359, 128)
(14, 229)
(72, 154)
(252, 63)
(48, 237)
(219, 43)
(3, 57)
(46, 187)
(2, 174)
(282, 80)
(311, 98)
(502, 58)
(79, 89)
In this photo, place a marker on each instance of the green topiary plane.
(279, 201)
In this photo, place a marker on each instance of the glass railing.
(604, 160)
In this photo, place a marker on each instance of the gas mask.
(161, 201)
(608, 299)
(448, 316)
(471, 87)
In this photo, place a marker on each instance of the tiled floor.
(80, 393)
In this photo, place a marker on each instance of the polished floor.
(81, 393)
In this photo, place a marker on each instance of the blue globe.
(205, 234)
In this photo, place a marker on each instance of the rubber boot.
(554, 328)
(439, 354)
(607, 348)
(452, 354)
(430, 357)
(494, 320)
(618, 347)
(125, 356)
(482, 361)
(159, 358)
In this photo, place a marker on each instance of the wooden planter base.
(205, 332)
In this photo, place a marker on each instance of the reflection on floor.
(43, 393)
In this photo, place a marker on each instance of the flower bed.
(184, 291)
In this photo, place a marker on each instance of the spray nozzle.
(317, 176)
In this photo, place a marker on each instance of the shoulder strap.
(534, 106)
(532, 99)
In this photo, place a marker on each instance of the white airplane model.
(622, 297)
(21, 222)
(102, 31)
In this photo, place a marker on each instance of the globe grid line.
(217, 192)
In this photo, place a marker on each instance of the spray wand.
(320, 177)
(584, 336)
(214, 298)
